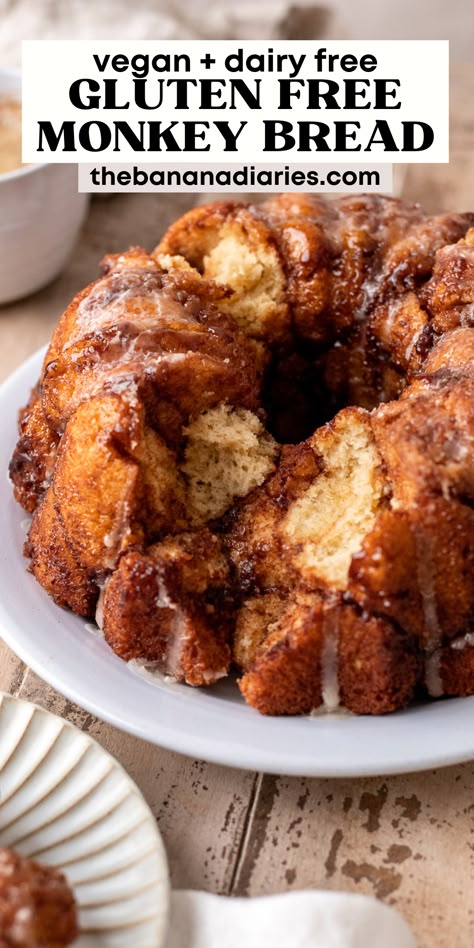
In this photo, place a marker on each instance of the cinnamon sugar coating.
(37, 907)
(256, 445)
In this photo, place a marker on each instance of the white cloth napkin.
(294, 920)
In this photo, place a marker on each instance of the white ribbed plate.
(67, 803)
(211, 723)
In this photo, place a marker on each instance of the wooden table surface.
(409, 839)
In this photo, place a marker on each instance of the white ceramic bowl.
(40, 216)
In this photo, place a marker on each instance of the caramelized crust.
(339, 257)
(448, 293)
(370, 666)
(426, 440)
(53, 563)
(156, 334)
(453, 354)
(37, 906)
(141, 365)
(255, 621)
(456, 666)
(34, 457)
(114, 480)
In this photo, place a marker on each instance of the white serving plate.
(67, 803)
(214, 724)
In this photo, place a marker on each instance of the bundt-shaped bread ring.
(334, 564)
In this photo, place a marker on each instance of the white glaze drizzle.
(391, 314)
(370, 290)
(433, 680)
(179, 633)
(115, 539)
(411, 345)
(427, 589)
(330, 692)
(463, 641)
(467, 316)
(150, 671)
